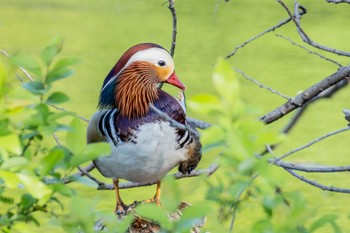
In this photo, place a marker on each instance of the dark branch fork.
(296, 19)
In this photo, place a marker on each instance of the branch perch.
(316, 184)
(301, 99)
(125, 185)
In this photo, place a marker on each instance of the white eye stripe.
(152, 55)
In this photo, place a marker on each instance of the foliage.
(244, 174)
(32, 165)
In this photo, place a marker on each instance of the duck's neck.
(136, 88)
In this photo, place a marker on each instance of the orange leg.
(156, 198)
(120, 208)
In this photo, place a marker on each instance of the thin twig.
(57, 140)
(198, 123)
(301, 99)
(173, 37)
(303, 35)
(261, 85)
(238, 197)
(259, 35)
(318, 185)
(338, 1)
(308, 50)
(126, 185)
(303, 168)
(312, 142)
(20, 67)
(71, 113)
(98, 182)
(73, 177)
(173, 122)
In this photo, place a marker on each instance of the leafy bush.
(33, 166)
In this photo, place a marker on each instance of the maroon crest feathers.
(127, 55)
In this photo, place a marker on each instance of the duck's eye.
(161, 63)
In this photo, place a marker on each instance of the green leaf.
(27, 63)
(65, 62)
(48, 54)
(57, 74)
(50, 161)
(11, 179)
(11, 143)
(4, 127)
(32, 184)
(35, 87)
(62, 189)
(81, 209)
(57, 98)
(190, 216)
(35, 187)
(205, 104)
(326, 219)
(263, 226)
(57, 115)
(27, 201)
(170, 197)
(56, 41)
(76, 139)
(225, 82)
(91, 152)
(14, 162)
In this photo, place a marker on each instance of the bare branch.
(57, 140)
(325, 94)
(261, 85)
(338, 1)
(71, 178)
(301, 99)
(198, 123)
(312, 142)
(21, 68)
(259, 35)
(71, 113)
(303, 35)
(310, 51)
(323, 169)
(208, 171)
(236, 204)
(314, 183)
(173, 38)
(98, 182)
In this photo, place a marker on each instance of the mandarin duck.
(145, 146)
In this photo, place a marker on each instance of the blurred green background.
(98, 32)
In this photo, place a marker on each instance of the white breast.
(148, 160)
